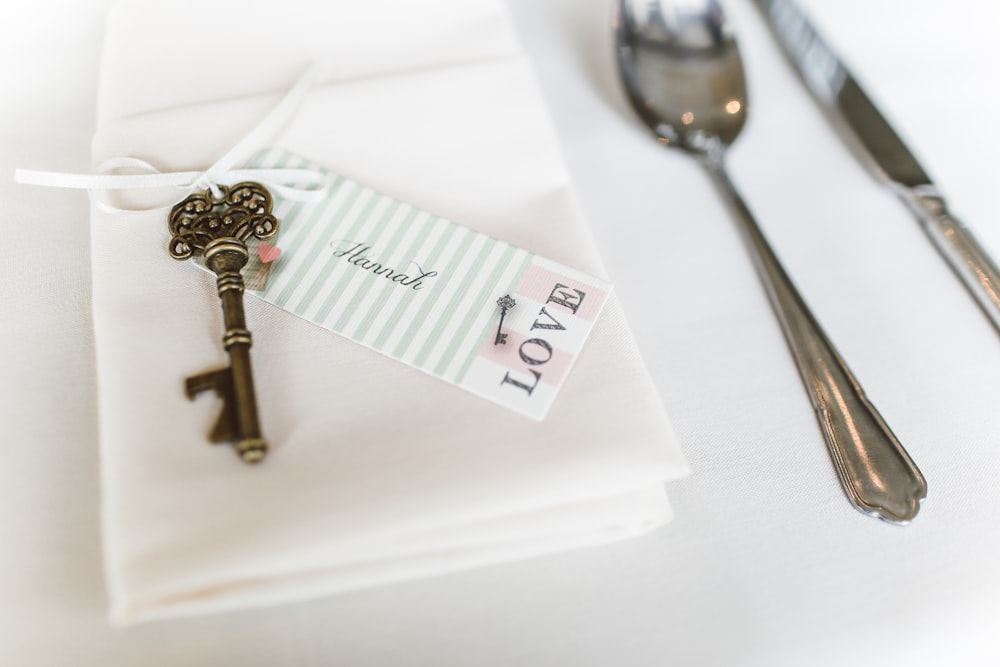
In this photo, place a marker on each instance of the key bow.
(239, 212)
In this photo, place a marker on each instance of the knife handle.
(876, 472)
(959, 248)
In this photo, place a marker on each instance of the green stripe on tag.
(302, 229)
(321, 243)
(361, 291)
(466, 238)
(400, 309)
(369, 316)
(446, 314)
(373, 282)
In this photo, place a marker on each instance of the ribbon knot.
(203, 182)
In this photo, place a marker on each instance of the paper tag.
(423, 290)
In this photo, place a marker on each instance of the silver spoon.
(683, 74)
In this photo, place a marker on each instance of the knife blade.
(834, 87)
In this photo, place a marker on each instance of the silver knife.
(838, 92)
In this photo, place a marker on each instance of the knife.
(833, 86)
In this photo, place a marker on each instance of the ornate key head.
(243, 210)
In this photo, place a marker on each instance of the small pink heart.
(268, 253)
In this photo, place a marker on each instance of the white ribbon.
(299, 184)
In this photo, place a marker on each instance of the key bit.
(227, 427)
(217, 223)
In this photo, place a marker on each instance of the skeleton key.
(217, 223)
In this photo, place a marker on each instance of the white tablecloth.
(765, 562)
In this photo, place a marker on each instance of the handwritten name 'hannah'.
(357, 255)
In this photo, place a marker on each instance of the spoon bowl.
(691, 46)
(682, 73)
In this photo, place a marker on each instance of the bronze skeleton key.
(218, 227)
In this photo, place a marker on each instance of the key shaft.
(226, 257)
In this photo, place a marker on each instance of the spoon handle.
(876, 472)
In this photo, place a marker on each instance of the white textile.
(377, 472)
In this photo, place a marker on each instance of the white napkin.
(377, 472)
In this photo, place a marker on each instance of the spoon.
(683, 75)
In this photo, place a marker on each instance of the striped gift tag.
(424, 291)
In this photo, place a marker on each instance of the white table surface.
(765, 563)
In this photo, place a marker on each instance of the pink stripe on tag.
(509, 356)
(561, 293)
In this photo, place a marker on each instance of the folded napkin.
(377, 472)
